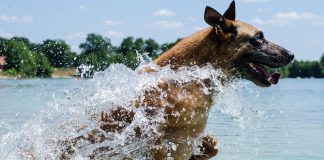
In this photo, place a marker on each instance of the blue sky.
(298, 25)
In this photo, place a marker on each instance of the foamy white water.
(283, 122)
(75, 113)
(250, 122)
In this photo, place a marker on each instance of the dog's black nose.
(291, 57)
(288, 55)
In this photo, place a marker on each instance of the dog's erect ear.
(212, 17)
(230, 12)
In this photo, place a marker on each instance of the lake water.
(282, 122)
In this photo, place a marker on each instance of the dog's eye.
(256, 42)
(259, 36)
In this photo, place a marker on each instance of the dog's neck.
(197, 49)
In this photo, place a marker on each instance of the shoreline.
(67, 73)
(55, 76)
(58, 73)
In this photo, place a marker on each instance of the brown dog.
(237, 48)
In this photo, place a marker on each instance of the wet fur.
(222, 45)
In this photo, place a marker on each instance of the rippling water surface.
(282, 122)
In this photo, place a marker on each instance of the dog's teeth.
(269, 79)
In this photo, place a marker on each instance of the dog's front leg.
(207, 150)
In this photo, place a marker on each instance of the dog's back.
(238, 49)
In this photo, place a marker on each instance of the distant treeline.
(27, 59)
(304, 69)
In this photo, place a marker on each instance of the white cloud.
(253, 1)
(114, 34)
(16, 19)
(112, 23)
(258, 21)
(168, 24)
(164, 12)
(318, 23)
(83, 8)
(193, 19)
(289, 18)
(263, 10)
(78, 36)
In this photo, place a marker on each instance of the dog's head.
(242, 49)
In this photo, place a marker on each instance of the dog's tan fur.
(217, 45)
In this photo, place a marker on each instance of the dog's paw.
(209, 144)
(207, 150)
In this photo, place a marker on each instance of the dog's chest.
(187, 105)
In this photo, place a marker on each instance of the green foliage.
(100, 53)
(131, 60)
(3, 46)
(95, 43)
(22, 39)
(305, 69)
(31, 46)
(97, 51)
(167, 46)
(11, 71)
(21, 61)
(43, 66)
(21, 58)
(131, 46)
(139, 45)
(58, 53)
(127, 46)
(28, 59)
(151, 47)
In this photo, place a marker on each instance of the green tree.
(129, 49)
(58, 53)
(95, 43)
(131, 60)
(32, 46)
(127, 46)
(3, 46)
(306, 69)
(97, 51)
(316, 70)
(294, 70)
(166, 46)
(322, 65)
(139, 45)
(21, 39)
(43, 66)
(151, 47)
(20, 58)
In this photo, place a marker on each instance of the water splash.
(76, 113)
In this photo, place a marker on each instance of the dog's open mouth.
(262, 71)
(260, 74)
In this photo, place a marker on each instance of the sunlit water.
(282, 122)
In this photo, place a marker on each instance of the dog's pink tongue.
(275, 78)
